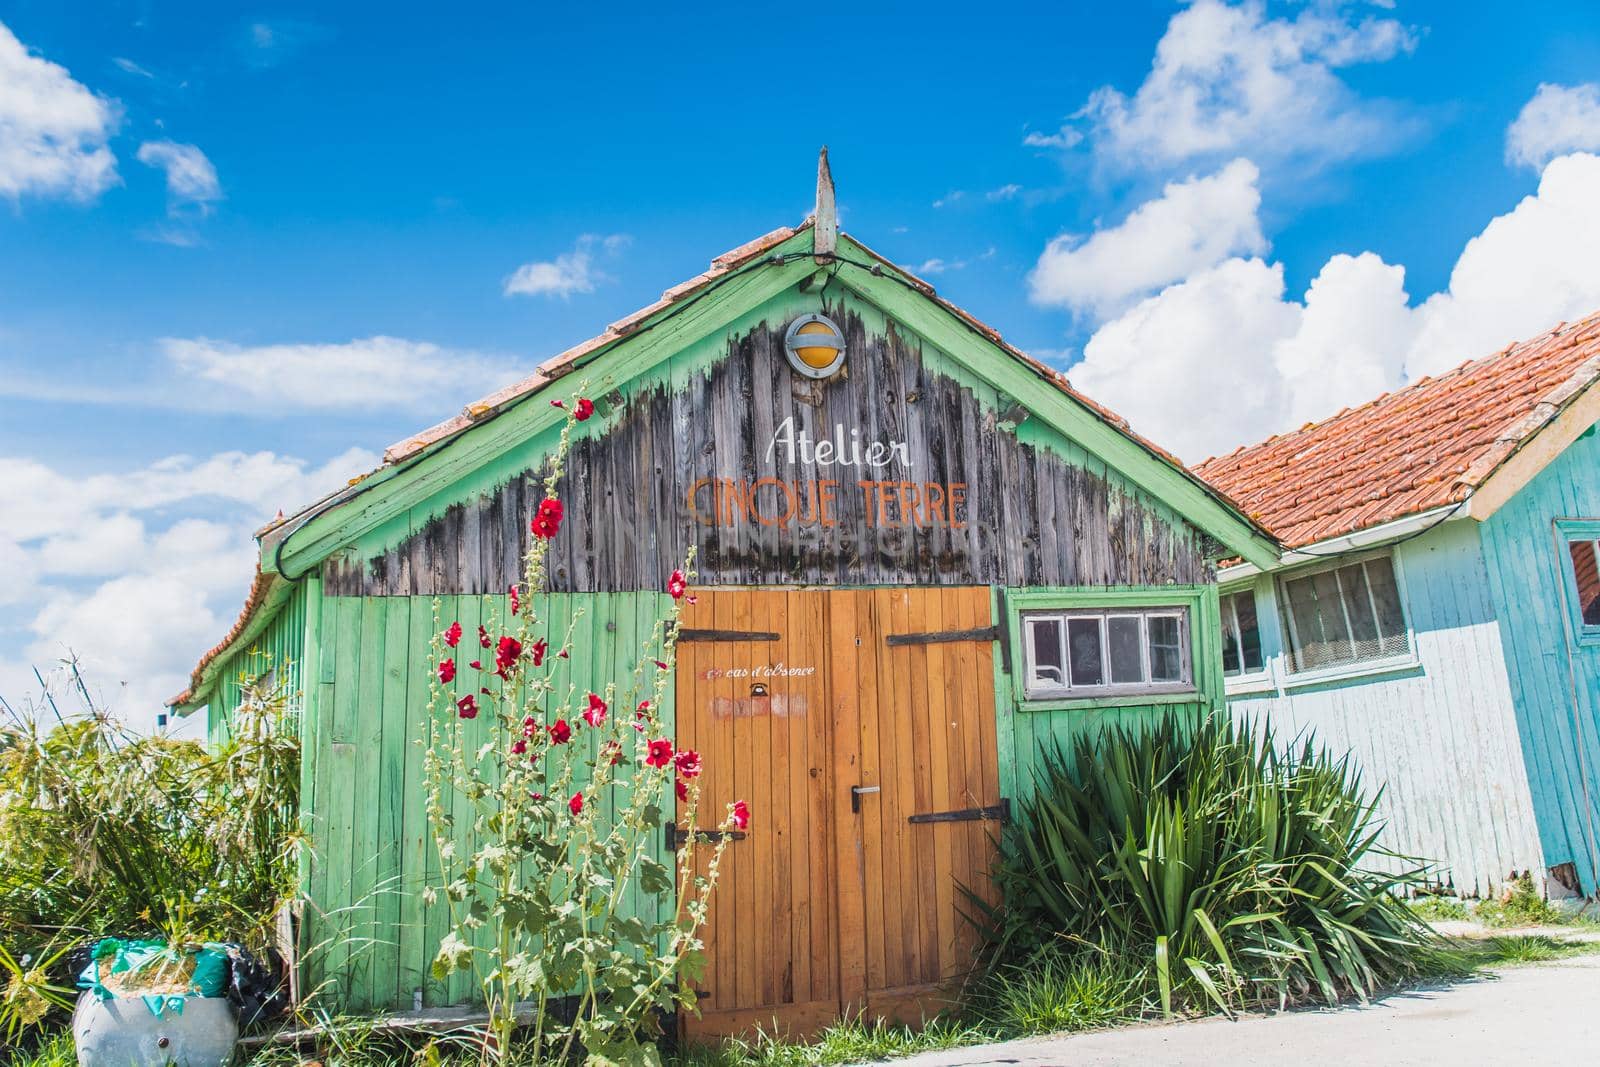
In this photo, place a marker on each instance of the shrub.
(1057, 989)
(105, 832)
(1237, 874)
(1521, 906)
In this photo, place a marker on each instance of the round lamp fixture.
(815, 345)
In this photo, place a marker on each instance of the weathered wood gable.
(900, 470)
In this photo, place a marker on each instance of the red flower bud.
(483, 637)
(516, 600)
(539, 649)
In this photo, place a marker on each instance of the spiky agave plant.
(1242, 873)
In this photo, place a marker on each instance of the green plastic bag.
(115, 956)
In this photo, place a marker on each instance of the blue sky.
(368, 216)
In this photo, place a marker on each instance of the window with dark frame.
(1343, 615)
(1241, 635)
(1585, 554)
(1111, 652)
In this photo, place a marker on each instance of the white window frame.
(1571, 532)
(1039, 688)
(1224, 609)
(1374, 665)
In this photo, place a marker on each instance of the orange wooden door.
(859, 726)
(923, 686)
(752, 699)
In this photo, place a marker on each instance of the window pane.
(1359, 611)
(1241, 634)
(1083, 640)
(1586, 572)
(1244, 606)
(1318, 630)
(1391, 620)
(1166, 653)
(1127, 659)
(1047, 667)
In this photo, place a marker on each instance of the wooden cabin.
(1437, 611)
(923, 559)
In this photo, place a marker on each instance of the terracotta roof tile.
(1411, 450)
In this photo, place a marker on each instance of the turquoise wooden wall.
(371, 939)
(1527, 576)
(280, 645)
(1440, 736)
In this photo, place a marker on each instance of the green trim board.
(1573, 530)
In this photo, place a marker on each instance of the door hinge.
(727, 635)
(940, 637)
(677, 837)
(1000, 812)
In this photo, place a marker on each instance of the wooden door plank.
(855, 898)
(876, 770)
(763, 844)
(938, 663)
(896, 718)
(745, 774)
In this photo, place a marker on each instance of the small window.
(1241, 635)
(1107, 653)
(1586, 575)
(1344, 615)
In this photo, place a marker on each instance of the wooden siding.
(1039, 511)
(1439, 737)
(1527, 575)
(371, 938)
(280, 645)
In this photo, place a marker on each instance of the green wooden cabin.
(923, 558)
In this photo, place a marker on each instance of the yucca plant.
(1240, 873)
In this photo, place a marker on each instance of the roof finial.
(825, 225)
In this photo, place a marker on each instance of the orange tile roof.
(1421, 447)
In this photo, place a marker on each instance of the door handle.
(855, 796)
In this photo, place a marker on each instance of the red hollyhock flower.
(447, 671)
(506, 656)
(560, 732)
(539, 649)
(518, 747)
(644, 706)
(660, 753)
(688, 763)
(575, 805)
(682, 788)
(547, 519)
(483, 636)
(452, 634)
(595, 713)
(530, 727)
(677, 585)
(467, 707)
(516, 599)
(741, 815)
(583, 409)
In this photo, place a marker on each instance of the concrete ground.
(1545, 1013)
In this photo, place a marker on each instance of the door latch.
(855, 796)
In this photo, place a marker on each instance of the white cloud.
(1193, 225)
(139, 571)
(952, 197)
(1228, 80)
(1065, 137)
(571, 272)
(1532, 267)
(936, 265)
(53, 130)
(1557, 120)
(191, 179)
(1223, 358)
(128, 66)
(371, 373)
(1005, 192)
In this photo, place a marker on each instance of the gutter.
(1371, 537)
